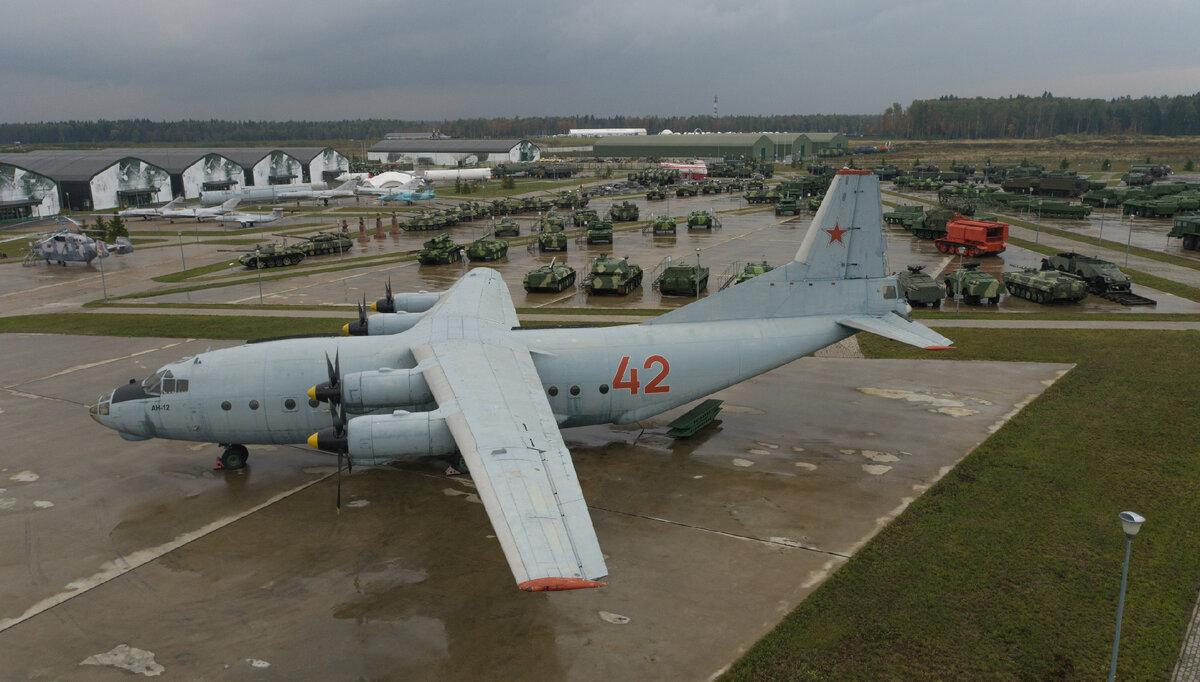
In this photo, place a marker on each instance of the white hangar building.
(456, 153)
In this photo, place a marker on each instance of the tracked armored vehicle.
(663, 224)
(682, 278)
(599, 232)
(624, 212)
(919, 288)
(612, 276)
(702, 220)
(904, 215)
(272, 256)
(976, 286)
(656, 193)
(322, 243)
(553, 277)
(1101, 275)
(484, 249)
(441, 250)
(1045, 286)
(750, 271)
(507, 227)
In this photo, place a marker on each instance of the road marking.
(124, 564)
(98, 363)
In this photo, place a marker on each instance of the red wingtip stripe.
(853, 171)
(939, 347)
(559, 584)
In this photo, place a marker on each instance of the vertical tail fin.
(845, 239)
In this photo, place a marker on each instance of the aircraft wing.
(894, 327)
(509, 438)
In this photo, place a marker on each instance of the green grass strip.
(1009, 567)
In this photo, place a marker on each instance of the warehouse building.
(702, 145)
(455, 153)
(96, 179)
(26, 194)
(811, 144)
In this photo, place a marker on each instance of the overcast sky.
(444, 60)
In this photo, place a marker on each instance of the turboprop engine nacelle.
(417, 302)
(378, 439)
(383, 388)
(382, 324)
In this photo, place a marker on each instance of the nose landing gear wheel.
(234, 457)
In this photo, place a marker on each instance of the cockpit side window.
(159, 383)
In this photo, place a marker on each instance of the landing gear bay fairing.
(437, 373)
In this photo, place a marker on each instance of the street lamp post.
(103, 286)
(258, 269)
(697, 273)
(1103, 205)
(181, 258)
(1131, 523)
(1129, 240)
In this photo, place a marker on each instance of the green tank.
(1163, 207)
(756, 181)
(272, 256)
(507, 206)
(507, 227)
(552, 277)
(682, 278)
(441, 250)
(449, 215)
(919, 288)
(624, 212)
(752, 270)
(702, 220)
(536, 204)
(583, 216)
(655, 193)
(552, 222)
(904, 215)
(732, 186)
(612, 276)
(788, 206)
(322, 243)
(686, 190)
(425, 221)
(599, 232)
(572, 200)
(551, 237)
(663, 224)
(710, 187)
(484, 249)
(975, 286)
(1045, 286)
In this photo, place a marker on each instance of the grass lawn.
(1009, 567)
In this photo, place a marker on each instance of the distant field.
(1009, 567)
(1084, 154)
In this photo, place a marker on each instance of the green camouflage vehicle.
(322, 243)
(507, 206)
(757, 196)
(732, 186)
(702, 220)
(507, 227)
(425, 221)
(752, 270)
(932, 225)
(612, 276)
(599, 232)
(583, 216)
(450, 216)
(1101, 275)
(441, 250)
(1045, 286)
(976, 286)
(552, 277)
(624, 212)
(1162, 207)
(756, 181)
(888, 171)
(655, 193)
(484, 249)
(1134, 178)
(663, 224)
(1187, 227)
(470, 210)
(570, 200)
(271, 256)
(813, 203)
(919, 288)
(686, 190)
(787, 206)
(904, 215)
(552, 222)
(1048, 208)
(552, 236)
(682, 278)
(536, 204)
(710, 187)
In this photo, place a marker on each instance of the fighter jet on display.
(200, 213)
(149, 212)
(346, 189)
(409, 195)
(435, 373)
(250, 219)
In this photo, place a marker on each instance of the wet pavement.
(137, 554)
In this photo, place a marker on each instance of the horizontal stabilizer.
(892, 326)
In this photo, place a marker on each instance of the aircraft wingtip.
(559, 584)
(940, 347)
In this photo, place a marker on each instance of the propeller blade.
(339, 483)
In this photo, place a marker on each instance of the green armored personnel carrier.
(583, 216)
(656, 193)
(710, 187)
(322, 243)
(599, 232)
(1187, 227)
(536, 204)
(553, 277)
(756, 181)
(1101, 275)
(687, 189)
(552, 222)
(484, 249)
(1162, 207)
(624, 212)
(904, 215)
(702, 220)
(507, 227)
(919, 288)
(612, 276)
(1045, 286)
(663, 224)
(271, 256)
(552, 240)
(732, 186)
(570, 200)
(441, 250)
(750, 271)
(757, 196)
(787, 206)
(682, 278)
(975, 286)
(508, 206)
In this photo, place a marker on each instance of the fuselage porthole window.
(312, 402)
(226, 405)
(254, 404)
(289, 404)
(603, 389)
(553, 391)
(574, 390)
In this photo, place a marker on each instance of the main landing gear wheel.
(234, 457)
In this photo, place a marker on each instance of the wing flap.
(894, 327)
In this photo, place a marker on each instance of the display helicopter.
(436, 373)
(66, 245)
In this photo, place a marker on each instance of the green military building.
(811, 144)
(705, 145)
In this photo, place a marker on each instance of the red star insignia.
(835, 235)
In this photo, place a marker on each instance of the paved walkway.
(1188, 667)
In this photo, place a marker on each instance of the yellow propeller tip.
(312, 442)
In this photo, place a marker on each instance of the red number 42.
(632, 384)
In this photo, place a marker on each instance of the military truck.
(1187, 227)
(322, 243)
(682, 278)
(271, 256)
(624, 212)
(612, 276)
(441, 250)
(1045, 286)
(919, 288)
(663, 224)
(1101, 275)
(484, 249)
(702, 220)
(507, 227)
(975, 286)
(553, 277)
(599, 232)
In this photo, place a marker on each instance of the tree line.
(948, 117)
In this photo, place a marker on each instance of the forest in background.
(948, 117)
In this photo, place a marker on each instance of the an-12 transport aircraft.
(439, 373)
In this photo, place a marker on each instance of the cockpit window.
(164, 382)
(889, 292)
